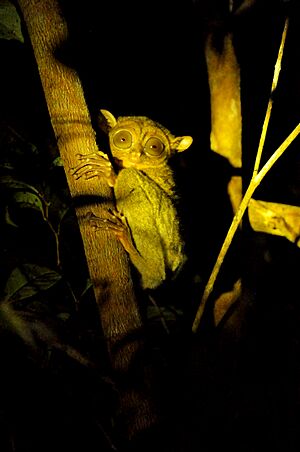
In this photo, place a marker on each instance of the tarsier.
(145, 220)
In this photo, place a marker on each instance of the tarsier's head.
(136, 141)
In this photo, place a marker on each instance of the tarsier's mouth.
(118, 162)
(133, 164)
(128, 164)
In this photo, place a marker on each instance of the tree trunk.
(107, 261)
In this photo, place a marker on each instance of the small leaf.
(274, 218)
(28, 280)
(28, 200)
(22, 195)
(8, 219)
(10, 23)
(10, 182)
(64, 316)
(169, 314)
(226, 300)
(57, 161)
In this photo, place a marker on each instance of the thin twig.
(275, 156)
(161, 315)
(270, 103)
(236, 221)
(255, 181)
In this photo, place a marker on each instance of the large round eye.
(154, 147)
(122, 139)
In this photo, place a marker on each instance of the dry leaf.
(224, 84)
(226, 300)
(276, 219)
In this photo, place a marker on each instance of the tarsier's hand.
(117, 224)
(92, 165)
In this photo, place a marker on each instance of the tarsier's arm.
(98, 165)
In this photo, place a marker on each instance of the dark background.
(234, 387)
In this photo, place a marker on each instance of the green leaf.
(28, 200)
(64, 316)
(10, 23)
(28, 280)
(169, 314)
(57, 162)
(22, 195)
(8, 218)
(13, 183)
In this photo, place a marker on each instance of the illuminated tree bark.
(107, 261)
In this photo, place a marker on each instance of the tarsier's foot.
(116, 223)
(92, 165)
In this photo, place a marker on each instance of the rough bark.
(107, 262)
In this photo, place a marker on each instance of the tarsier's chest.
(152, 218)
(132, 183)
(146, 206)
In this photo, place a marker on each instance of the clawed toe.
(112, 223)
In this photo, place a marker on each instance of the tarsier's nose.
(136, 154)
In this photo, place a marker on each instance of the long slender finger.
(93, 163)
(93, 155)
(87, 167)
(89, 173)
(95, 160)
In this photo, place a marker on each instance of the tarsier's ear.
(106, 120)
(180, 144)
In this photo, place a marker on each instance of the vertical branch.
(107, 261)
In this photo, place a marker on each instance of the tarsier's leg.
(92, 165)
(116, 223)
